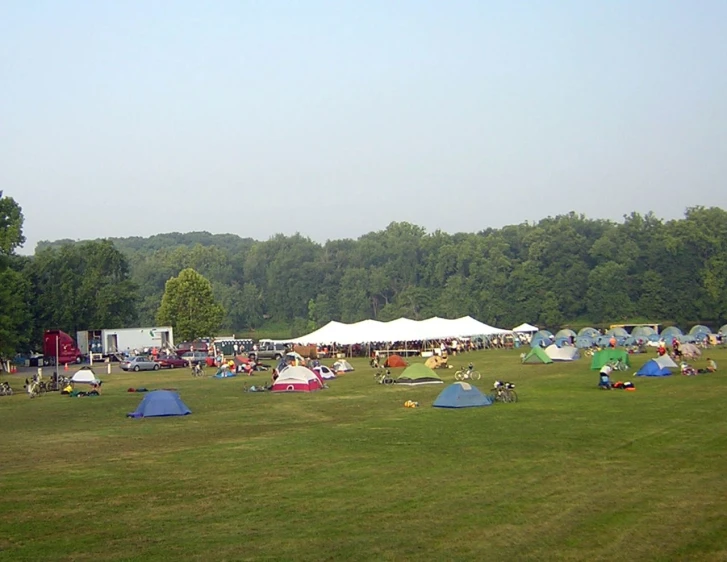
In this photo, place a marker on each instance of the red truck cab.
(60, 343)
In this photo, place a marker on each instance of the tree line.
(563, 270)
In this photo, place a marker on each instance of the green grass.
(568, 473)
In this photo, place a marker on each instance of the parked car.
(140, 364)
(172, 362)
(268, 350)
(195, 357)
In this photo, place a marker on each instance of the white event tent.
(525, 329)
(401, 329)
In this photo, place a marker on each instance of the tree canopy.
(560, 270)
(189, 306)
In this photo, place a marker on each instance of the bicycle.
(6, 389)
(505, 392)
(467, 375)
(34, 387)
(618, 365)
(383, 376)
(197, 370)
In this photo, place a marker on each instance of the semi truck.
(59, 348)
(100, 344)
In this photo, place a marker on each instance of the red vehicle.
(171, 362)
(60, 344)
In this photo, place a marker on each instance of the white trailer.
(107, 343)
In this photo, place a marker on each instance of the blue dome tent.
(589, 332)
(653, 369)
(565, 333)
(160, 403)
(618, 332)
(461, 395)
(643, 332)
(671, 332)
(584, 342)
(699, 329)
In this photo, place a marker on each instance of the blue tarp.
(461, 395)
(161, 403)
(652, 369)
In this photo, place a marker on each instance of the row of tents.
(435, 328)
(591, 337)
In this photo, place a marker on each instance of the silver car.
(140, 364)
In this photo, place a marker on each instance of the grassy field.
(348, 473)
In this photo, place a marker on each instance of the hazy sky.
(334, 118)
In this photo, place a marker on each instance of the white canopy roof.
(401, 329)
(525, 328)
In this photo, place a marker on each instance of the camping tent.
(666, 362)
(690, 351)
(568, 353)
(342, 366)
(606, 355)
(436, 362)
(723, 330)
(589, 332)
(671, 332)
(653, 369)
(296, 379)
(324, 372)
(394, 361)
(461, 395)
(565, 333)
(584, 342)
(160, 403)
(618, 332)
(537, 356)
(643, 332)
(84, 375)
(699, 329)
(525, 329)
(418, 373)
(541, 340)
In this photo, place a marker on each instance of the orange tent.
(395, 361)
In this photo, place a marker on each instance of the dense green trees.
(16, 325)
(82, 286)
(564, 269)
(189, 306)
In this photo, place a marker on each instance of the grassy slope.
(569, 473)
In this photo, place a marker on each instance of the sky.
(335, 118)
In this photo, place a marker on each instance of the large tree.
(189, 306)
(15, 317)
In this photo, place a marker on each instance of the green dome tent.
(418, 373)
(537, 356)
(607, 355)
